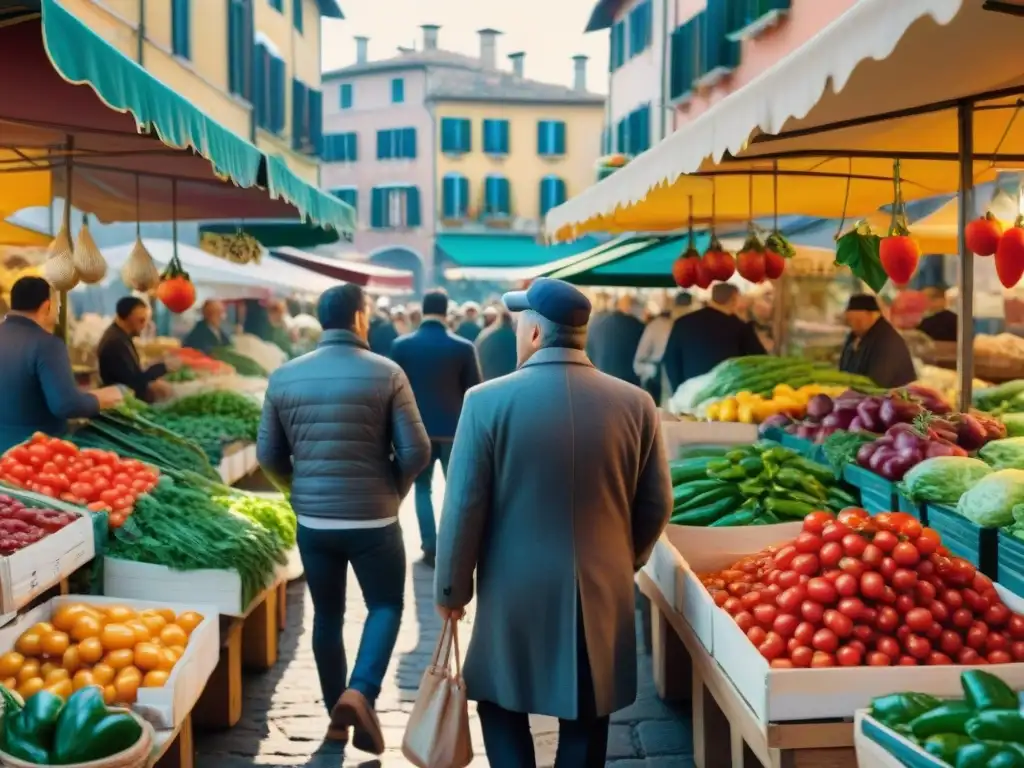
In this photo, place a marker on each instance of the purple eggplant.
(970, 433)
(907, 441)
(819, 406)
(896, 467)
(898, 411)
(845, 415)
(856, 426)
(867, 414)
(880, 457)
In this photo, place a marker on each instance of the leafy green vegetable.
(1007, 453)
(840, 448)
(991, 501)
(858, 250)
(272, 513)
(1014, 424)
(943, 479)
(244, 366)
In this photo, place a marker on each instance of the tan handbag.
(437, 735)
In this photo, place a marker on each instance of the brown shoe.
(337, 735)
(354, 711)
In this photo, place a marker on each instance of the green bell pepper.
(983, 690)
(945, 745)
(902, 708)
(975, 755)
(29, 732)
(87, 730)
(949, 718)
(1008, 756)
(752, 466)
(996, 725)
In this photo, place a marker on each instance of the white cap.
(383, 303)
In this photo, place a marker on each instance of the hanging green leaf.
(858, 250)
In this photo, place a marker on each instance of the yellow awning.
(883, 80)
(13, 235)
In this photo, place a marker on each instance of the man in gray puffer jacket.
(342, 435)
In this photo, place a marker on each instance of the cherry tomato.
(977, 635)
(969, 656)
(785, 625)
(765, 614)
(835, 532)
(848, 657)
(790, 600)
(904, 580)
(918, 619)
(846, 585)
(975, 602)
(801, 656)
(906, 554)
(744, 620)
(928, 542)
(805, 564)
(772, 647)
(830, 554)
(840, 624)
(788, 579)
(733, 606)
(872, 556)
(784, 557)
(962, 618)
(807, 542)
(822, 659)
(905, 603)
(872, 585)
(852, 515)
(812, 611)
(888, 619)
(999, 657)
(939, 612)
(925, 592)
(804, 632)
(1016, 626)
(962, 572)
(911, 528)
(756, 635)
(917, 646)
(996, 641)
(750, 599)
(1017, 649)
(936, 659)
(852, 566)
(996, 615)
(825, 640)
(782, 664)
(852, 606)
(926, 568)
(854, 544)
(878, 659)
(822, 591)
(865, 634)
(885, 541)
(889, 647)
(816, 521)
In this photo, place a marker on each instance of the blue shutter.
(462, 186)
(298, 114)
(489, 144)
(467, 135)
(181, 28)
(559, 138)
(503, 137)
(345, 95)
(384, 145)
(448, 192)
(560, 192)
(542, 137)
(237, 33)
(409, 142)
(412, 207)
(352, 148)
(316, 120)
(717, 52)
(297, 15)
(504, 196)
(622, 135)
(378, 203)
(277, 94)
(397, 90)
(490, 195)
(261, 82)
(545, 195)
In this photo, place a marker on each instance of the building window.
(456, 136)
(640, 28)
(307, 119)
(181, 28)
(496, 137)
(617, 56)
(633, 132)
(345, 96)
(297, 15)
(550, 138)
(552, 193)
(748, 18)
(454, 196)
(685, 58)
(268, 90)
(395, 207)
(277, 5)
(341, 147)
(239, 47)
(497, 197)
(396, 144)
(718, 54)
(347, 195)
(397, 91)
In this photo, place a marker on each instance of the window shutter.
(383, 145)
(462, 186)
(448, 186)
(559, 138)
(181, 32)
(467, 135)
(559, 192)
(409, 139)
(487, 130)
(277, 94)
(412, 207)
(345, 96)
(298, 114)
(297, 15)
(236, 47)
(377, 203)
(503, 138)
(316, 120)
(352, 150)
(545, 195)
(542, 137)
(622, 135)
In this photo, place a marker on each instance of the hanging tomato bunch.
(718, 262)
(983, 234)
(898, 251)
(1010, 254)
(176, 289)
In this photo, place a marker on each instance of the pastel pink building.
(670, 60)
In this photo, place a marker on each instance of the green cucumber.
(706, 514)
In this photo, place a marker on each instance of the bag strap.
(443, 648)
(455, 646)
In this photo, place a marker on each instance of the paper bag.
(437, 735)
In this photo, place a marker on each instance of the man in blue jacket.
(40, 393)
(441, 367)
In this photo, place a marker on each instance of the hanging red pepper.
(898, 251)
(1010, 254)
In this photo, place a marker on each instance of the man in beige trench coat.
(558, 488)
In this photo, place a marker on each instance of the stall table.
(684, 669)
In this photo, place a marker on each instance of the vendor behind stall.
(207, 334)
(873, 347)
(118, 358)
(940, 324)
(39, 388)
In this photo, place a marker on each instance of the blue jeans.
(440, 450)
(378, 558)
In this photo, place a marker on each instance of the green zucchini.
(706, 514)
(724, 491)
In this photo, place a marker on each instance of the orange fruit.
(154, 622)
(29, 670)
(168, 660)
(86, 626)
(64, 618)
(29, 644)
(155, 678)
(165, 613)
(117, 637)
(10, 683)
(71, 660)
(120, 613)
(31, 687)
(46, 668)
(127, 685)
(90, 650)
(55, 643)
(188, 621)
(119, 659)
(82, 678)
(56, 675)
(62, 688)
(142, 633)
(103, 674)
(147, 656)
(172, 634)
(177, 650)
(43, 628)
(109, 695)
(10, 664)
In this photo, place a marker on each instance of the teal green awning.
(82, 57)
(329, 9)
(465, 250)
(638, 262)
(273, 234)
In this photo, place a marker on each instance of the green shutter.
(378, 203)
(181, 28)
(237, 33)
(719, 54)
(448, 185)
(297, 15)
(412, 207)
(352, 147)
(408, 140)
(316, 121)
(559, 138)
(504, 196)
(384, 145)
(298, 114)
(345, 95)
(277, 95)
(261, 85)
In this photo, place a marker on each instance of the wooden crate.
(175, 749)
(684, 669)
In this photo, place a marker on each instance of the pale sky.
(550, 31)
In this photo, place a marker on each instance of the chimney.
(517, 62)
(488, 47)
(429, 36)
(361, 44)
(580, 65)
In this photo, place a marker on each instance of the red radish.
(718, 261)
(899, 255)
(774, 264)
(982, 235)
(1010, 255)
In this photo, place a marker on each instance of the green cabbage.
(1004, 454)
(991, 501)
(1014, 424)
(943, 479)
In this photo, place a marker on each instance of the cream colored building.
(253, 65)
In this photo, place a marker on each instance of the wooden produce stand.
(726, 732)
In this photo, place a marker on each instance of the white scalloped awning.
(879, 57)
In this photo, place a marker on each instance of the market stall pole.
(965, 197)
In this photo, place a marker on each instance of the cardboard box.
(31, 571)
(164, 707)
(220, 588)
(679, 433)
(879, 747)
(238, 462)
(708, 549)
(781, 695)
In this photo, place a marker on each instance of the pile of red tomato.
(854, 590)
(99, 480)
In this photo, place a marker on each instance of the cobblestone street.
(284, 720)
